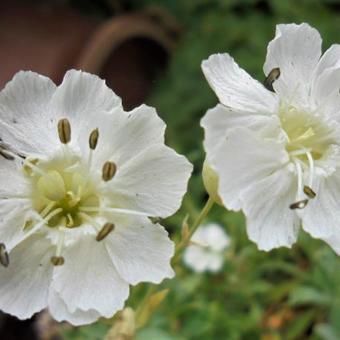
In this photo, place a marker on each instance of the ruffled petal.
(59, 311)
(88, 280)
(122, 135)
(321, 217)
(242, 160)
(270, 221)
(141, 251)
(27, 123)
(235, 88)
(153, 182)
(82, 96)
(295, 50)
(219, 120)
(24, 283)
(12, 182)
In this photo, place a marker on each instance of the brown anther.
(106, 230)
(298, 205)
(57, 260)
(273, 75)
(309, 192)
(93, 140)
(64, 130)
(6, 155)
(4, 258)
(109, 170)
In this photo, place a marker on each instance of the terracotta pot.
(128, 51)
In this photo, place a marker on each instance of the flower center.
(60, 188)
(305, 132)
(308, 139)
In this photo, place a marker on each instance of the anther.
(109, 170)
(106, 230)
(309, 192)
(273, 75)
(93, 140)
(6, 155)
(64, 130)
(4, 258)
(57, 260)
(298, 205)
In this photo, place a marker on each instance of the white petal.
(141, 251)
(154, 181)
(82, 95)
(321, 217)
(24, 284)
(329, 59)
(326, 94)
(235, 88)
(215, 261)
(12, 182)
(12, 221)
(220, 119)
(216, 237)
(295, 50)
(195, 258)
(27, 124)
(88, 280)
(123, 135)
(242, 160)
(270, 221)
(59, 311)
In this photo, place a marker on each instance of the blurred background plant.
(285, 294)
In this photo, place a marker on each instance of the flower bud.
(210, 180)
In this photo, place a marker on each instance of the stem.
(178, 250)
(203, 214)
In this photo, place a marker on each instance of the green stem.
(203, 214)
(179, 248)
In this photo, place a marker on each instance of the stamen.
(114, 210)
(299, 205)
(47, 209)
(4, 258)
(311, 169)
(89, 219)
(69, 221)
(299, 178)
(109, 170)
(6, 155)
(309, 192)
(93, 140)
(64, 131)
(105, 231)
(273, 75)
(30, 165)
(57, 260)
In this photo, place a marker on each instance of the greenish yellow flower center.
(60, 190)
(305, 132)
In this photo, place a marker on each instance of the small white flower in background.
(79, 179)
(206, 251)
(276, 149)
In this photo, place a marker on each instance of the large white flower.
(276, 148)
(206, 251)
(79, 179)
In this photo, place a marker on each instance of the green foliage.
(287, 293)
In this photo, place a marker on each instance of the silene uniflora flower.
(276, 147)
(79, 179)
(206, 249)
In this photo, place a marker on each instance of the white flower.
(205, 253)
(79, 178)
(277, 153)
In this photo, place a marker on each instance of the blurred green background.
(285, 294)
